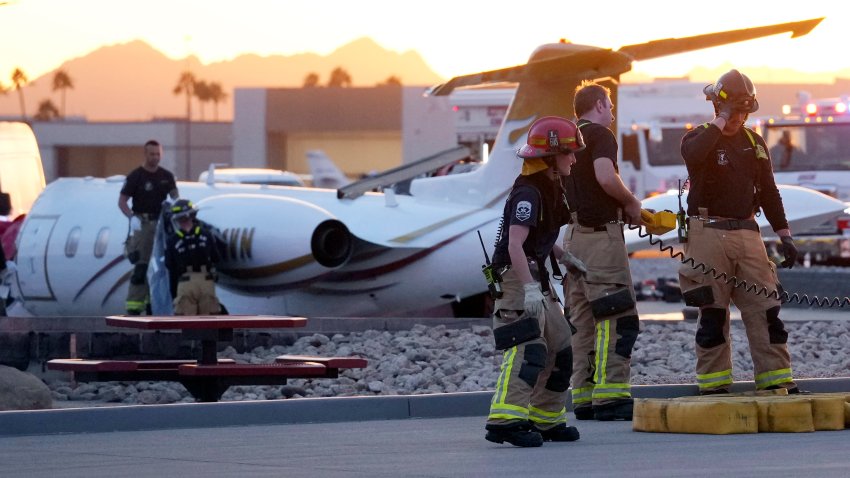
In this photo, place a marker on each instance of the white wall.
(249, 128)
(427, 124)
(51, 135)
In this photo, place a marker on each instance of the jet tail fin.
(324, 172)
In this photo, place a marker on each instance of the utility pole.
(189, 94)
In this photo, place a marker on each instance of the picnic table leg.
(205, 389)
(209, 352)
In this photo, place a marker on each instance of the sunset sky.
(454, 37)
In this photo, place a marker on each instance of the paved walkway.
(436, 447)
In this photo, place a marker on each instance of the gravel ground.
(439, 360)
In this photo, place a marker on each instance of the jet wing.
(804, 208)
(581, 61)
(672, 46)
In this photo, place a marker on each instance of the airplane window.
(72, 242)
(101, 242)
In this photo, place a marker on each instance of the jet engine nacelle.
(268, 244)
(332, 243)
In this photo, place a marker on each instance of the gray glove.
(573, 263)
(725, 109)
(533, 299)
(135, 224)
(789, 250)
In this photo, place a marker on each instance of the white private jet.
(316, 252)
(324, 172)
(269, 177)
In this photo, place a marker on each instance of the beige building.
(360, 129)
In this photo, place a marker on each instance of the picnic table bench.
(208, 377)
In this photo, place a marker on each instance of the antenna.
(486, 257)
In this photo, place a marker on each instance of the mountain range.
(133, 81)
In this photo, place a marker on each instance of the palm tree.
(186, 85)
(202, 92)
(339, 77)
(217, 95)
(62, 82)
(47, 111)
(392, 80)
(19, 79)
(311, 80)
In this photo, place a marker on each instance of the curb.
(303, 410)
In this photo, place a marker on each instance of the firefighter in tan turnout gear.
(147, 186)
(600, 295)
(731, 178)
(190, 256)
(529, 405)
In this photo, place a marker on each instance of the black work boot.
(618, 410)
(517, 434)
(560, 432)
(791, 391)
(716, 391)
(584, 412)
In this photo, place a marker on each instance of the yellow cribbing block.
(709, 417)
(785, 416)
(828, 412)
(658, 223)
(846, 415)
(777, 412)
(749, 395)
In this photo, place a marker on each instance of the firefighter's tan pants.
(740, 253)
(541, 360)
(602, 346)
(139, 247)
(196, 295)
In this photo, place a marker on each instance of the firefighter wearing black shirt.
(601, 298)
(529, 406)
(148, 185)
(731, 178)
(190, 256)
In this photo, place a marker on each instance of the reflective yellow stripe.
(537, 415)
(504, 375)
(544, 413)
(773, 377)
(508, 412)
(612, 390)
(582, 395)
(750, 135)
(135, 305)
(714, 379)
(603, 335)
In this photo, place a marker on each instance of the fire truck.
(809, 146)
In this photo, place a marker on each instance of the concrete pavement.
(436, 446)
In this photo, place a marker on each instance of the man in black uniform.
(529, 406)
(190, 256)
(731, 178)
(601, 297)
(148, 185)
